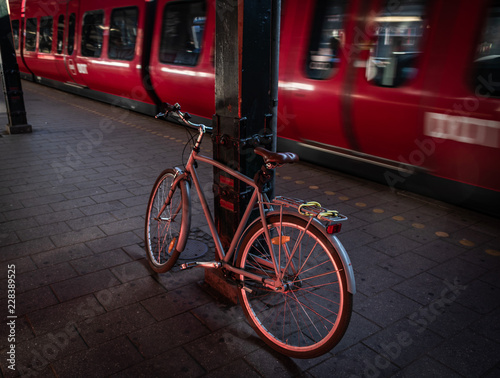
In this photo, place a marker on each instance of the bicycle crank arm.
(201, 264)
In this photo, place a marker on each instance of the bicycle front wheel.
(167, 221)
(307, 312)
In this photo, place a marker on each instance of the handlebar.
(183, 116)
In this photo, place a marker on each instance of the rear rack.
(312, 209)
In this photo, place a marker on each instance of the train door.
(383, 97)
(61, 26)
(315, 48)
(71, 49)
(462, 112)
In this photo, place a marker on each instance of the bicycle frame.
(258, 198)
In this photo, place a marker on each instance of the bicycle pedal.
(201, 264)
(188, 265)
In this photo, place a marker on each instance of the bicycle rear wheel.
(308, 312)
(167, 221)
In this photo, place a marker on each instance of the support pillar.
(11, 78)
(245, 100)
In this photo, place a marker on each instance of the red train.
(406, 92)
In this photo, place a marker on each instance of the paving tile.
(468, 354)
(121, 226)
(129, 292)
(103, 360)
(36, 232)
(479, 296)
(408, 264)
(71, 312)
(174, 363)
(90, 220)
(168, 335)
(402, 342)
(132, 270)
(457, 270)
(386, 307)
(384, 228)
(113, 324)
(104, 260)
(394, 245)
(176, 301)
(26, 248)
(108, 243)
(42, 277)
(34, 300)
(59, 216)
(426, 367)
(358, 361)
(102, 207)
(135, 251)
(82, 285)
(375, 280)
(59, 255)
(76, 237)
(226, 344)
(233, 369)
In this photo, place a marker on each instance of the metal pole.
(11, 79)
(275, 63)
(243, 102)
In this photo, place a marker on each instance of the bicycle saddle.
(276, 157)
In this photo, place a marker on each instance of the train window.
(182, 32)
(15, 33)
(92, 32)
(123, 33)
(45, 35)
(399, 31)
(31, 26)
(71, 33)
(60, 34)
(487, 62)
(327, 39)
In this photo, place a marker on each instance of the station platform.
(73, 196)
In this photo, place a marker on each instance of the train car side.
(404, 93)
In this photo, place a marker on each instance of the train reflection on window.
(123, 33)
(399, 31)
(45, 36)
(60, 34)
(31, 25)
(327, 39)
(182, 32)
(15, 33)
(92, 32)
(71, 33)
(487, 62)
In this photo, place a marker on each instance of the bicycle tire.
(165, 237)
(310, 314)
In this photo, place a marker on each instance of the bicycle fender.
(349, 271)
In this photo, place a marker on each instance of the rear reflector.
(334, 228)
